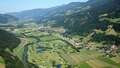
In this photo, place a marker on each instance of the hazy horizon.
(8, 6)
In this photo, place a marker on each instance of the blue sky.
(19, 5)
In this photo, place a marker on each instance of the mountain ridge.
(44, 12)
(5, 18)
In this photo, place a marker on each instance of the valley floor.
(52, 49)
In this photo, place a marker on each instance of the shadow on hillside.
(8, 42)
(11, 61)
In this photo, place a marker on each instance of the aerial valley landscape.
(74, 35)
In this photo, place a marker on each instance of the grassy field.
(20, 49)
(2, 63)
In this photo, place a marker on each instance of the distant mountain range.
(43, 13)
(5, 18)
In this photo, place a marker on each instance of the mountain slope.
(91, 18)
(5, 18)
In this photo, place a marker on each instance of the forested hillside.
(98, 14)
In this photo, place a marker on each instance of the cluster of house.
(50, 29)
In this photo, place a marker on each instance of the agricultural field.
(48, 50)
